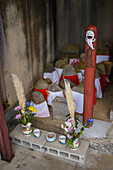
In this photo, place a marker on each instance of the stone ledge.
(54, 148)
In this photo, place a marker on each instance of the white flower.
(68, 124)
(62, 126)
(28, 124)
(66, 129)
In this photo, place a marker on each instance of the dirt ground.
(102, 107)
(33, 160)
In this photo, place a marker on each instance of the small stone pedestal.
(60, 108)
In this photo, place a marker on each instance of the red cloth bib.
(43, 91)
(74, 78)
(102, 81)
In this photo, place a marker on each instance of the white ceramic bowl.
(62, 139)
(36, 133)
(51, 137)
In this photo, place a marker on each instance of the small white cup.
(36, 133)
(62, 139)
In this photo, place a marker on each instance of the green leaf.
(69, 142)
(68, 118)
(80, 133)
(67, 115)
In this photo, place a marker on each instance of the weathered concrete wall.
(73, 16)
(27, 41)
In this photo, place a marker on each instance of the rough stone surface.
(62, 84)
(82, 59)
(49, 68)
(104, 145)
(60, 64)
(37, 97)
(68, 70)
(101, 68)
(81, 65)
(79, 88)
(97, 74)
(48, 81)
(60, 108)
(54, 88)
(41, 84)
(77, 69)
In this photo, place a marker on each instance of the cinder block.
(30, 142)
(57, 149)
(60, 108)
(51, 148)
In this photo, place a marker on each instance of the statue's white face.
(90, 38)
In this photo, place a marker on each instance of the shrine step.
(53, 148)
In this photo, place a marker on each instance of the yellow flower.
(31, 108)
(34, 110)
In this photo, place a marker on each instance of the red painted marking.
(4, 137)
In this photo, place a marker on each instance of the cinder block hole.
(82, 158)
(34, 146)
(44, 149)
(74, 157)
(53, 151)
(17, 140)
(27, 144)
(63, 154)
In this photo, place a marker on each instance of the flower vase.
(27, 130)
(75, 144)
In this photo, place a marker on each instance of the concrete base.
(54, 148)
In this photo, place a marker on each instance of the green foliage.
(71, 133)
(69, 142)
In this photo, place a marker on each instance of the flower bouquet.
(25, 116)
(26, 112)
(72, 121)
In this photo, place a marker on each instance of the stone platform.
(54, 148)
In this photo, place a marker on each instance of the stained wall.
(73, 16)
(33, 31)
(26, 41)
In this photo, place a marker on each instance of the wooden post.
(90, 64)
(5, 145)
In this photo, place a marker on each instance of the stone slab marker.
(60, 108)
(90, 64)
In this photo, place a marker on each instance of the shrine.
(56, 79)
